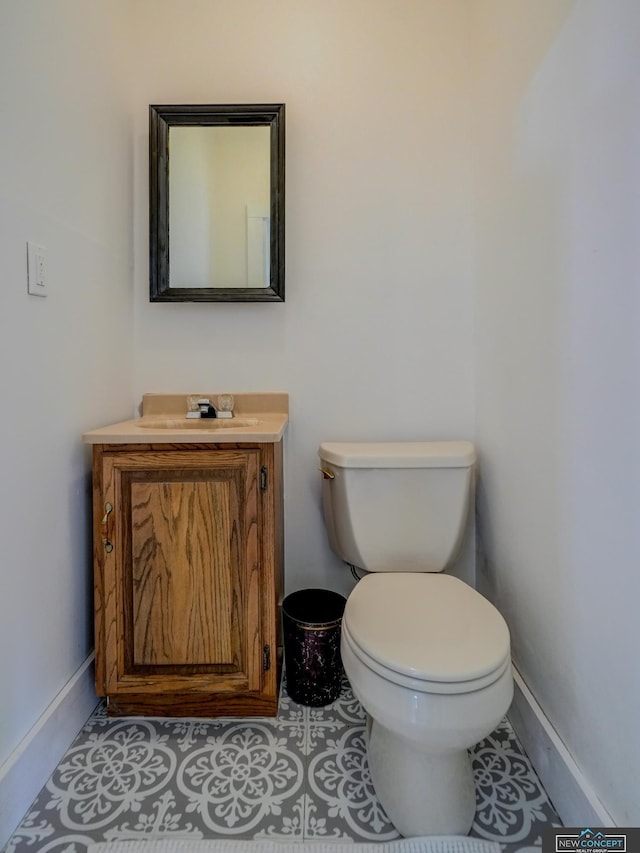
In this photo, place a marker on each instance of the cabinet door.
(182, 577)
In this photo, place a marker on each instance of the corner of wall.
(572, 796)
(29, 766)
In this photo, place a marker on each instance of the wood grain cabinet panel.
(188, 578)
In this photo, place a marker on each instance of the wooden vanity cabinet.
(188, 548)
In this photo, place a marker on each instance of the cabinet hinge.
(264, 482)
(266, 658)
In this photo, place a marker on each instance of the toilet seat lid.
(427, 626)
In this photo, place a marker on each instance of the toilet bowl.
(431, 691)
(427, 656)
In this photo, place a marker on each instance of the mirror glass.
(217, 203)
(219, 215)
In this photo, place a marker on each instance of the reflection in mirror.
(217, 203)
(219, 185)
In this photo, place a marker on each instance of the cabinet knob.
(108, 544)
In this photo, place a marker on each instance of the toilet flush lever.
(327, 474)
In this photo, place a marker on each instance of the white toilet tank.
(396, 506)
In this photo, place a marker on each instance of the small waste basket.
(311, 620)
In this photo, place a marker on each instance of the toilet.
(427, 656)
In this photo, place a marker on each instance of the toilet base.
(423, 793)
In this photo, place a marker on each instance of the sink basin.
(196, 423)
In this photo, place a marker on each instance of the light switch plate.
(36, 280)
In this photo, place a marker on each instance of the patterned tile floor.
(303, 775)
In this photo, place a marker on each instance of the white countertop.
(257, 418)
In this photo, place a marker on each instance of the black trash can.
(312, 620)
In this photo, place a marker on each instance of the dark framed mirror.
(216, 202)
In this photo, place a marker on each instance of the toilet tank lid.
(398, 454)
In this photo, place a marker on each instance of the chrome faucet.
(207, 409)
(202, 407)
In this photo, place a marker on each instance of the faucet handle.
(225, 404)
(196, 405)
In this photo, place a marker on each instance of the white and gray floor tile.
(302, 775)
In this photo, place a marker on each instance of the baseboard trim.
(31, 763)
(570, 792)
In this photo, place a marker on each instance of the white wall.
(375, 337)
(557, 354)
(65, 361)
